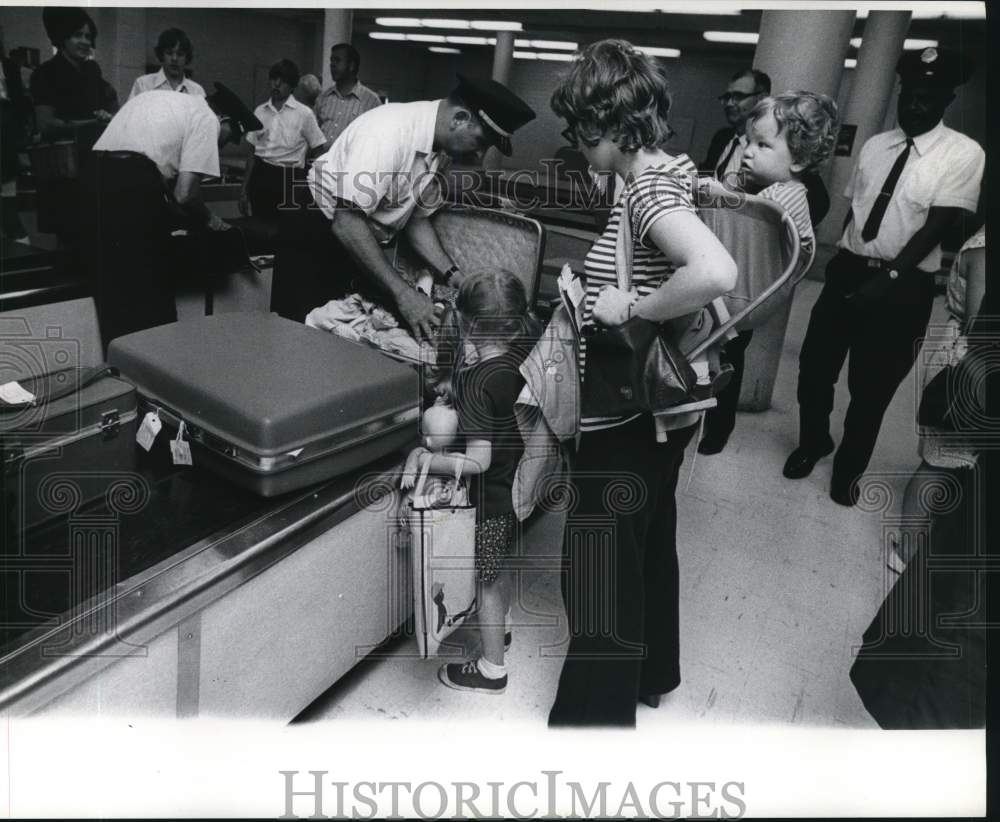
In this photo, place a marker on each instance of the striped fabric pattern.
(658, 191)
(792, 197)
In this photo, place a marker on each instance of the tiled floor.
(778, 584)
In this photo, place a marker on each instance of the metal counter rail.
(48, 662)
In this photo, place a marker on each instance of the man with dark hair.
(175, 53)
(290, 133)
(908, 188)
(348, 98)
(144, 176)
(380, 178)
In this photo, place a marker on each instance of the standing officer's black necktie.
(870, 230)
(720, 169)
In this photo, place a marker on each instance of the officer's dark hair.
(170, 39)
(353, 57)
(285, 70)
(761, 81)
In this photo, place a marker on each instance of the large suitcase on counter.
(271, 404)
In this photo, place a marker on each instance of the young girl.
(494, 326)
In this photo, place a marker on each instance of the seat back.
(763, 241)
(481, 239)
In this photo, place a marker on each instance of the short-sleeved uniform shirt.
(75, 94)
(943, 169)
(157, 81)
(336, 111)
(485, 394)
(287, 134)
(385, 164)
(178, 132)
(655, 193)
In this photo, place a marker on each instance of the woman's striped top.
(654, 193)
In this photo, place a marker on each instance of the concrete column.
(868, 106)
(503, 58)
(804, 49)
(799, 50)
(133, 48)
(337, 25)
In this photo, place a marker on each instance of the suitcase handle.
(50, 387)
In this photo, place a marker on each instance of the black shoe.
(712, 445)
(845, 494)
(801, 461)
(466, 676)
(652, 700)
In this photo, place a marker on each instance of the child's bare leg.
(493, 599)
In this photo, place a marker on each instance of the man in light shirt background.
(290, 133)
(348, 98)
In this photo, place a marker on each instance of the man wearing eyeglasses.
(725, 156)
(725, 152)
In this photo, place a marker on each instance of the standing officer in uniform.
(143, 177)
(908, 188)
(380, 178)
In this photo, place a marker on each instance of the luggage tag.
(13, 394)
(180, 449)
(151, 425)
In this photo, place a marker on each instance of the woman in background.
(73, 103)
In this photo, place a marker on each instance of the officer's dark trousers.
(310, 265)
(882, 338)
(721, 420)
(126, 234)
(270, 186)
(620, 575)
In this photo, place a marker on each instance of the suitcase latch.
(110, 420)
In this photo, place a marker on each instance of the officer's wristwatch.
(451, 272)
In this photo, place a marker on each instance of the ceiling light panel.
(656, 51)
(398, 22)
(749, 37)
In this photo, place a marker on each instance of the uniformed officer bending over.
(909, 186)
(378, 179)
(143, 181)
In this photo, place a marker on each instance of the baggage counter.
(182, 595)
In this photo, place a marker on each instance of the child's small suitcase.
(269, 403)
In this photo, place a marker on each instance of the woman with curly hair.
(620, 580)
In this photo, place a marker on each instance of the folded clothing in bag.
(269, 403)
